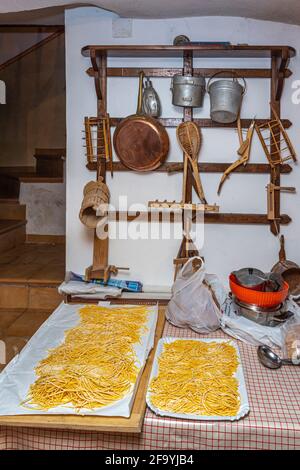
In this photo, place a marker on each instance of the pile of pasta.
(96, 365)
(195, 377)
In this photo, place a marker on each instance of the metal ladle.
(270, 359)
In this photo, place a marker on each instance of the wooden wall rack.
(277, 72)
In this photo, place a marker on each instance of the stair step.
(50, 162)
(12, 211)
(12, 234)
(23, 296)
(9, 186)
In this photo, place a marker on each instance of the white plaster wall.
(45, 208)
(226, 247)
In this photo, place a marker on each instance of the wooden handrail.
(31, 49)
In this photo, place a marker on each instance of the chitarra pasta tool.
(243, 151)
(273, 134)
(97, 139)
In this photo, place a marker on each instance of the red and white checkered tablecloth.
(273, 421)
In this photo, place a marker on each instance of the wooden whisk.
(189, 139)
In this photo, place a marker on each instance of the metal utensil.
(270, 359)
(151, 101)
(289, 270)
(251, 278)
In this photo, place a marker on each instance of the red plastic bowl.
(254, 297)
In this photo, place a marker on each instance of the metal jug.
(225, 98)
(151, 101)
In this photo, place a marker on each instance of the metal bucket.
(188, 90)
(225, 98)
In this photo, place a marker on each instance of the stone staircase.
(12, 214)
(29, 273)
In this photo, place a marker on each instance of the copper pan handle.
(140, 95)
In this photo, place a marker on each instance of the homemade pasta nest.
(196, 377)
(96, 365)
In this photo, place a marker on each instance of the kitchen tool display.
(95, 199)
(173, 205)
(270, 359)
(188, 90)
(140, 141)
(151, 101)
(189, 139)
(243, 151)
(283, 264)
(289, 270)
(272, 134)
(97, 139)
(225, 98)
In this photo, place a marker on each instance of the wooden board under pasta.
(98, 423)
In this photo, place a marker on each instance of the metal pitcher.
(225, 98)
(151, 101)
(188, 90)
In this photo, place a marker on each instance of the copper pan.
(289, 270)
(141, 142)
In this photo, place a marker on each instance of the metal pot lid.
(250, 277)
(189, 80)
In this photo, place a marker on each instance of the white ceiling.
(285, 11)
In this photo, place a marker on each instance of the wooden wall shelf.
(163, 72)
(276, 72)
(209, 217)
(214, 51)
(207, 123)
(176, 167)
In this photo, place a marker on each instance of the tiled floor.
(33, 263)
(35, 269)
(16, 328)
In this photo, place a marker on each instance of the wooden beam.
(206, 123)
(205, 50)
(163, 72)
(209, 217)
(174, 167)
(30, 50)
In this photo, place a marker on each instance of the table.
(273, 421)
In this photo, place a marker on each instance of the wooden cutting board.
(133, 424)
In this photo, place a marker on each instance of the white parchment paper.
(19, 374)
(244, 406)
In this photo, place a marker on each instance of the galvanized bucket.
(225, 98)
(188, 90)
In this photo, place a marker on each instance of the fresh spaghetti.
(195, 377)
(96, 365)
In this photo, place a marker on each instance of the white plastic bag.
(191, 304)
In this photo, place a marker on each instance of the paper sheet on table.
(19, 374)
(239, 375)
